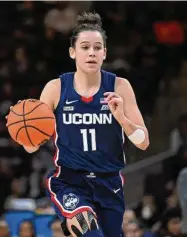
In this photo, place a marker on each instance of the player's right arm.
(50, 96)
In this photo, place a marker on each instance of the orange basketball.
(31, 122)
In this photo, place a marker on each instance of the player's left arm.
(124, 108)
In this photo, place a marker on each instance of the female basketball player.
(92, 108)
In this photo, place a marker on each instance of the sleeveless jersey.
(87, 135)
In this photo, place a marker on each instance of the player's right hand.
(28, 149)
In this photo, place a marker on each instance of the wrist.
(128, 126)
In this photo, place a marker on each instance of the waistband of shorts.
(90, 174)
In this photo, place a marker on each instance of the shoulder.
(124, 89)
(51, 93)
(55, 83)
(121, 85)
(52, 87)
(122, 81)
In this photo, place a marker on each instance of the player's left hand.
(115, 103)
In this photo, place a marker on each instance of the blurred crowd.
(162, 211)
(34, 46)
(27, 229)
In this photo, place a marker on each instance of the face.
(174, 226)
(20, 54)
(128, 216)
(172, 201)
(16, 186)
(56, 229)
(89, 51)
(4, 231)
(7, 87)
(26, 230)
(132, 230)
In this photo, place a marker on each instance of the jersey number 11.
(85, 134)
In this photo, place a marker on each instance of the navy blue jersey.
(87, 135)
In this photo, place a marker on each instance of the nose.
(91, 52)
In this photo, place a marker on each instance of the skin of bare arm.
(124, 108)
(50, 96)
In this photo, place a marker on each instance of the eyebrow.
(83, 42)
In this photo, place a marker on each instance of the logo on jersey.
(87, 118)
(68, 108)
(103, 101)
(91, 175)
(116, 190)
(70, 201)
(105, 107)
(70, 102)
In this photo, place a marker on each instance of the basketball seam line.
(28, 120)
(30, 126)
(25, 124)
(28, 112)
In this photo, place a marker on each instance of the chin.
(91, 70)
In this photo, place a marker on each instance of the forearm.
(136, 133)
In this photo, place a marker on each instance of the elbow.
(144, 145)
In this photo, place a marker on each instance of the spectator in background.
(182, 194)
(20, 66)
(62, 18)
(4, 229)
(178, 136)
(17, 188)
(132, 230)
(135, 229)
(27, 229)
(6, 174)
(172, 223)
(147, 211)
(6, 97)
(128, 216)
(172, 201)
(57, 229)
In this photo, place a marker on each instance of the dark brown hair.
(88, 21)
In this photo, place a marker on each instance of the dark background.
(146, 44)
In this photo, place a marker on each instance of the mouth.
(91, 62)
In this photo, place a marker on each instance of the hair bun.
(89, 18)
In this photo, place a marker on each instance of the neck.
(87, 84)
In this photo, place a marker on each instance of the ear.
(72, 52)
(105, 52)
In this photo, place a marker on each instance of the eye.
(98, 47)
(85, 47)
